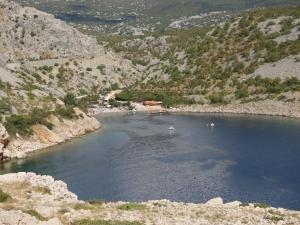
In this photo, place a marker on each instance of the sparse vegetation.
(43, 190)
(83, 206)
(210, 69)
(4, 196)
(261, 205)
(35, 214)
(66, 112)
(132, 206)
(21, 124)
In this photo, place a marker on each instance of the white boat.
(171, 128)
(210, 125)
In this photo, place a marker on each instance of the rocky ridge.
(36, 199)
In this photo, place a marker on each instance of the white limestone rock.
(215, 202)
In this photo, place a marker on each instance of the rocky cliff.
(27, 33)
(30, 199)
(63, 130)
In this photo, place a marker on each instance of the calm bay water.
(136, 158)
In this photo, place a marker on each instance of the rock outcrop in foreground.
(63, 130)
(41, 200)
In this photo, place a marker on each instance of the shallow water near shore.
(136, 158)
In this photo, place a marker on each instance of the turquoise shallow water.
(136, 158)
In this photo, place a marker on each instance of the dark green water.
(136, 158)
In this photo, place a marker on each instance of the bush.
(216, 98)
(18, 124)
(114, 103)
(241, 93)
(3, 196)
(83, 103)
(67, 112)
(21, 124)
(115, 86)
(132, 206)
(261, 205)
(43, 190)
(35, 214)
(4, 106)
(102, 68)
(70, 100)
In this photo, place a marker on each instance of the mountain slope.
(222, 64)
(42, 58)
(136, 16)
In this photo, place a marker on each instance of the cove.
(136, 158)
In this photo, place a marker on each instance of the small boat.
(210, 125)
(171, 128)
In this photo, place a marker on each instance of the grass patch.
(97, 202)
(131, 206)
(43, 190)
(83, 206)
(274, 218)
(35, 214)
(4, 196)
(244, 204)
(104, 222)
(261, 205)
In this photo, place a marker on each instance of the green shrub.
(21, 124)
(114, 103)
(70, 100)
(96, 202)
(132, 206)
(83, 103)
(139, 62)
(35, 214)
(18, 124)
(244, 204)
(4, 105)
(115, 86)
(83, 206)
(102, 68)
(241, 93)
(216, 98)
(261, 205)
(43, 190)
(67, 112)
(3, 196)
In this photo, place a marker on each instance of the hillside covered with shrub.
(222, 64)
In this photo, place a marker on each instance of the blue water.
(136, 158)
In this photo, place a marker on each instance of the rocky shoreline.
(63, 130)
(40, 200)
(266, 107)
